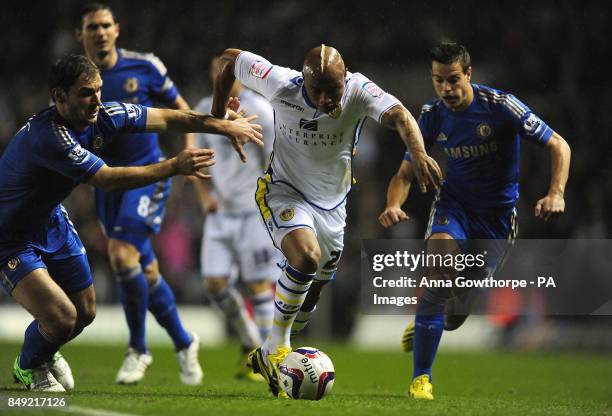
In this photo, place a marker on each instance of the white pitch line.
(87, 411)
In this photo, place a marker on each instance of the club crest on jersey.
(131, 85)
(311, 125)
(443, 221)
(260, 69)
(484, 131)
(373, 89)
(98, 142)
(287, 214)
(13, 263)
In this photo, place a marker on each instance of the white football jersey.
(234, 182)
(313, 152)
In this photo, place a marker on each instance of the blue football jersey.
(482, 145)
(46, 160)
(138, 78)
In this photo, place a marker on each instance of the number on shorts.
(143, 206)
(332, 264)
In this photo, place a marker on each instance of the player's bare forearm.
(397, 193)
(426, 170)
(188, 138)
(207, 202)
(399, 186)
(187, 162)
(553, 203)
(123, 178)
(560, 154)
(223, 83)
(183, 121)
(399, 119)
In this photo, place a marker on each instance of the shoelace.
(132, 362)
(40, 377)
(188, 359)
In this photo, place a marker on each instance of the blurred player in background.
(319, 113)
(43, 264)
(131, 218)
(233, 234)
(479, 129)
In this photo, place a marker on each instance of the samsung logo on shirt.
(468, 152)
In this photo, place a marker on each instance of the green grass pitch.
(368, 383)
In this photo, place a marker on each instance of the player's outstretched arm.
(397, 193)
(425, 168)
(553, 203)
(188, 162)
(240, 131)
(181, 104)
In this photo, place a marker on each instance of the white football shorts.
(231, 240)
(284, 210)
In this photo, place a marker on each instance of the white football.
(307, 374)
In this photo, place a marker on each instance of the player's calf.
(309, 306)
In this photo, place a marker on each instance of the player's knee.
(256, 288)
(60, 323)
(437, 295)
(123, 256)
(215, 286)
(306, 259)
(86, 316)
(151, 272)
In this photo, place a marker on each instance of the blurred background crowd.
(550, 54)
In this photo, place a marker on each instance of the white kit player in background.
(318, 115)
(234, 239)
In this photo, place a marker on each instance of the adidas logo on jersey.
(441, 137)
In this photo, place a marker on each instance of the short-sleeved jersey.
(137, 78)
(234, 182)
(46, 160)
(312, 151)
(482, 145)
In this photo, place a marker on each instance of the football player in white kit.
(318, 115)
(233, 233)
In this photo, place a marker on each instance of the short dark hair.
(450, 52)
(68, 69)
(90, 8)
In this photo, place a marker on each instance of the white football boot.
(190, 370)
(134, 367)
(37, 379)
(61, 371)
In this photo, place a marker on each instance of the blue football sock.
(162, 305)
(37, 347)
(428, 327)
(134, 296)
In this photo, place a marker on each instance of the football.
(307, 374)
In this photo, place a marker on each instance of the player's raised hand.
(550, 206)
(391, 216)
(241, 131)
(427, 172)
(233, 109)
(192, 160)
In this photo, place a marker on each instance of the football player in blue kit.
(43, 264)
(479, 128)
(131, 218)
